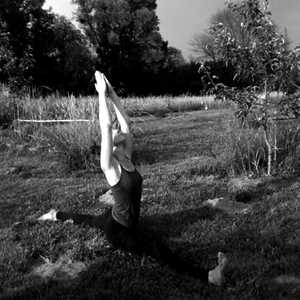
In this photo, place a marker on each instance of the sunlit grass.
(87, 107)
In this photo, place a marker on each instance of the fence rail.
(53, 121)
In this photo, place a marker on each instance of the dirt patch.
(229, 206)
(63, 269)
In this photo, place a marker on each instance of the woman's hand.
(110, 90)
(100, 84)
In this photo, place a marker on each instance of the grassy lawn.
(181, 172)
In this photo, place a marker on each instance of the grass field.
(182, 157)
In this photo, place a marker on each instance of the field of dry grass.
(54, 107)
(185, 160)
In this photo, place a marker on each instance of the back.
(127, 195)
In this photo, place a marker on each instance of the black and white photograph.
(149, 149)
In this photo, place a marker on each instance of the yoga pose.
(121, 223)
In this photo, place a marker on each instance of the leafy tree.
(203, 44)
(6, 57)
(18, 21)
(40, 49)
(266, 63)
(174, 58)
(126, 37)
(65, 62)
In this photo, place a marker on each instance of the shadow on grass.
(121, 276)
(276, 184)
(283, 287)
(168, 225)
(264, 189)
(110, 279)
(105, 281)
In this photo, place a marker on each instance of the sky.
(180, 20)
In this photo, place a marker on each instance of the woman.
(120, 224)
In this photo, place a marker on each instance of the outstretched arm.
(105, 120)
(122, 117)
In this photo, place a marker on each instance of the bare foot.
(216, 276)
(51, 216)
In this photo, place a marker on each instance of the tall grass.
(87, 107)
(57, 108)
(288, 144)
(243, 150)
(162, 105)
(79, 142)
(237, 150)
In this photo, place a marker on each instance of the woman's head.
(119, 138)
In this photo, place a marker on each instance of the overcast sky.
(180, 20)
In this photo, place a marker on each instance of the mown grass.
(185, 159)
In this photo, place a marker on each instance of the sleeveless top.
(127, 195)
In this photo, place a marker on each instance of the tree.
(202, 47)
(6, 57)
(64, 59)
(203, 44)
(266, 63)
(42, 50)
(18, 21)
(174, 58)
(126, 38)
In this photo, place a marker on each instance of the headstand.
(121, 223)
